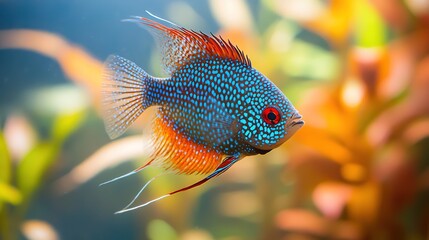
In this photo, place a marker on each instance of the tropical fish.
(212, 110)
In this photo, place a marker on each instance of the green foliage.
(323, 66)
(370, 28)
(33, 167)
(158, 230)
(5, 165)
(30, 171)
(65, 124)
(10, 194)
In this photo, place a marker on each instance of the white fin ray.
(118, 178)
(225, 165)
(123, 99)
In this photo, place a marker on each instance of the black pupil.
(272, 116)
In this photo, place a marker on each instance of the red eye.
(271, 115)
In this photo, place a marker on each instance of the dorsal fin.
(180, 45)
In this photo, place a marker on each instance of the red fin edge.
(196, 43)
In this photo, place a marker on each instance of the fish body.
(215, 103)
(213, 110)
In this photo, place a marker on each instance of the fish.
(212, 110)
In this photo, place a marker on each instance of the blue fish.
(212, 110)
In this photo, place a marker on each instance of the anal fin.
(181, 154)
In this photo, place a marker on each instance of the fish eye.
(271, 115)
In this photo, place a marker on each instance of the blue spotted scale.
(212, 110)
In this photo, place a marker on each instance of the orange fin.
(178, 153)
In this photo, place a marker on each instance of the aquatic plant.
(25, 160)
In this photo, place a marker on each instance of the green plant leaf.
(10, 194)
(159, 230)
(66, 124)
(305, 60)
(5, 162)
(371, 30)
(34, 165)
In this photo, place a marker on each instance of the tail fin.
(124, 94)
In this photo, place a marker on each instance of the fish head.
(268, 120)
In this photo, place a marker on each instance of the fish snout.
(293, 124)
(294, 121)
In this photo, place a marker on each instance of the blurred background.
(358, 72)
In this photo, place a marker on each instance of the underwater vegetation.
(357, 71)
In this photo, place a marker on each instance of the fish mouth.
(295, 120)
(297, 123)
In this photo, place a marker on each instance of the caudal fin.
(124, 94)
